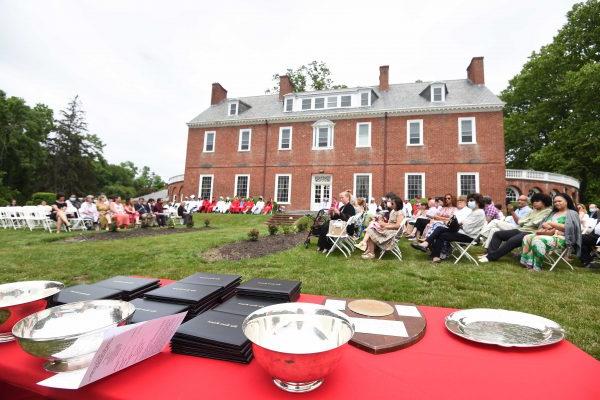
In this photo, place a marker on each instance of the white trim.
(212, 183)
(237, 108)
(443, 89)
(235, 185)
(214, 141)
(357, 130)
(421, 139)
(459, 174)
(275, 198)
(370, 175)
(285, 101)
(249, 139)
(280, 136)
(473, 127)
(406, 174)
(369, 100)
(323, 124)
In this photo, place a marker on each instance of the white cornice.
(304, 116)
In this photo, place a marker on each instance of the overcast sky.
(143, 69)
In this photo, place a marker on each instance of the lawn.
(570, 298)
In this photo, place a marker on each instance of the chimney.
(475, 71)
(285, 86)
(218, 94)
(384, 78)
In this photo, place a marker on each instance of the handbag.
(452, 224)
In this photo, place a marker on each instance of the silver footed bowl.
(20, 299)
(298, 343)
(69, 335)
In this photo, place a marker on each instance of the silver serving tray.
(504, 328)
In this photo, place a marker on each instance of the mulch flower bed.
(129, 233)
(265, 245)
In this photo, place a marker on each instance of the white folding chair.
(463, 251)
(394, 246)
(5, 222)
(18, 217)
(339, 238)
(554, 257)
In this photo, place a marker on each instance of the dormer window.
(332, 102)
(233, 108)
(438, 93)
(364, 99)
(346, 101)
(289, 105)
(306, 103)
(320, 102)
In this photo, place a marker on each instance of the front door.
(321, 192)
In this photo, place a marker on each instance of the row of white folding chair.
(25, 217)
(13, 217)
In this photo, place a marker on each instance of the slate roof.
(403, 98)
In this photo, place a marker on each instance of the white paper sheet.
(407, 311)
(379, 327)
(336, 304)
(121, 348)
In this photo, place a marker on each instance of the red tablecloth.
(440, 366)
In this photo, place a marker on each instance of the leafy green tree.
(552, 113)
(148, 182)
(315, 75)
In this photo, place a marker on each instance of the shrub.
(287, 229)
(3, 203)
(171, 223)
(50, 198)
(206, 222)
(253, 235)
(303, 223)
(273, 229)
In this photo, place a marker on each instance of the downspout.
(385, 116)
(264, 182)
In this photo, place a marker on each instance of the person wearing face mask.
(470, 227)
(72, 206)
(593, 211)
(344, 211)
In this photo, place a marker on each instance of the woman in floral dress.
(552, 234)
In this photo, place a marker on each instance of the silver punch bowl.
(298, 343)
(69, 335)
(20, 299)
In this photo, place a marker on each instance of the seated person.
(134, 216)
(513, 215)
(103, 207)
(503, 241)
(259, 206)
(360, 205)
(344, 212)
(88, 210)
(373, 207)
(461, 212)
(226, 206)
(147, 216)
(248, 205)
(588, 242)
(220, 205)
(268, 207)
(204, 208)
(44, 206)
(59, 214)
(234, 208)
(562, 228)
(422, 220)
(118, 214)
(593, 212)
(382, 234)
(407, 209)
(443, 215)
(72, 207)
(159, 211)
(500, 213)
(587, 223)
(419, 213)
(500, 224)
(469, 228)
(491, 212)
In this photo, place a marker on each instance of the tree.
(73, 152)
(552, 112)
(315, 75)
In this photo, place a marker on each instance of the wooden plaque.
(380, 344)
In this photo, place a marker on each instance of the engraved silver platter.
(69, 335)
(504, 328)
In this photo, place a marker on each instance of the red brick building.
(415, 139)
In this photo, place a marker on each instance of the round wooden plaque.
(371, 308)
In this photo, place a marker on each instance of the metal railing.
(176, 178)
(541, 176)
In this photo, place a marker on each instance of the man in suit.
(593, 211)
(344, 211)
(145, 210)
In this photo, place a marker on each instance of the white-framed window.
(209, 141)
(242, 186)
(345, 101)
(323, 135)
(467, 183)
(467, 132)
(320, 102)
(289, 105)
(414, 185)
(285, 138)
(245, 140)
(438, 93)
(363, 185)
(283, 188)
(205, 187)
(364, 99)
(332, 102)
(414, 132)
(363, 134)
(512, 193)
(233, 108)
(306, 104)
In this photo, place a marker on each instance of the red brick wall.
(440, 158)
(525, 185)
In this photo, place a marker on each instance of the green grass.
(570, 298)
